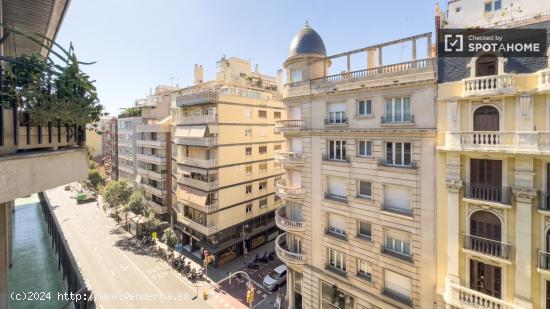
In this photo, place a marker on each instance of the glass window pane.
(398, 110)
(398, 153)
(369, 148)
(361, 107)
(343, 150)
(406, 109)
(407, 154)
(389, 116)
(361, 148)
(389, 153)
(368, 107)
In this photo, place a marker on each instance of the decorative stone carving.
(454, 185)
(453, 109)
(524, 103)
(495, 210)
(525, 195)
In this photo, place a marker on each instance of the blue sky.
(138, 44)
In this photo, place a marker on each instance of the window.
(336, 187)
(364, 148)
(248, 189)
(295, 75)
(248, 151)
(263, 168)
(364, 230)
(248, 208)
(397, 242)
(336, 224)
(498, 5)
(398, 153)
(488, 6)
(492, 5)
(276, 198)
(277, 147)
(337, 259)
(262, 150)
(364, 189)
(262, 185)
(364, 270)
(337, 150)
(263, 203)
(397, 199)
(333, 298)
(262, 114)
(364, 107)
(277, 115)
(398, 110)
(247, 132)
(337, 113)
(248, 170)
(397, 285)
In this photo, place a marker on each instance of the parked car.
(85, 197)
(275, 278)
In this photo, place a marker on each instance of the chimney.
(198, 74)
(257, 68)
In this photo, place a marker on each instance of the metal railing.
(543, 260)
(197, 141)
(327, 157)
(487, 246)
(336, 122)
(490, 193)
(384, 162)
(202, 97)
(406, 118)
(396, 210)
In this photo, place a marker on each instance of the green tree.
(135, 204)
(95, 178)
(169, 237)
(91, 164)
(117, 194)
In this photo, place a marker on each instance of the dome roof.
(307, 41)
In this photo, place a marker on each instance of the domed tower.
(305, 56)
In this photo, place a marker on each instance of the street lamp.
(245, 226)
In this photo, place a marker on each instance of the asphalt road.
(121, 275)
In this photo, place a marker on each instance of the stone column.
(4, 253)
(290, 289)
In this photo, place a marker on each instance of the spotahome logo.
(502, 42)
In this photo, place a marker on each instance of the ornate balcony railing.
(287, 255)
(513, 141)
(289, 125)
(488, 85)
(543, 260)
(286, 224)
(463, 297)
(284, 191)
(484, 192)
(203, 97)
(487, 246)
(289, 158)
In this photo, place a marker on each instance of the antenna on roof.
(307, 24)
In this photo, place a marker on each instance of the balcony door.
(486, 118)
(486, 66)
(486, 179)
(486, 225)
(485, 278)
(547, 295)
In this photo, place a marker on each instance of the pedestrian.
(279, 298)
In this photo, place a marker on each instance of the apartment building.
(493, 167)
(108, 142)
(113, 153)
(32, 158)
(223, 169)
(154, 149)
(126, 145)
(358, 190)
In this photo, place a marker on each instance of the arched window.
(486, 118)
(485, 224)
(486, 65)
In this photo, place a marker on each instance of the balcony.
(285, 254)
(397, 119)
(209, 230)
(199, 184)
(204, 163)
(151, 174)
(289, 192)
(488, 247)
(462, 297)
(396, 210)
(544, 80)
(384, 162)
(151, 159)
(488, 85)
(543, 260)
(286, 224)
(498, 141)
(203, 97)
(202, 119)
(333, 158)
(488, 193)
(289, 125)
(287, 158)
(152, 190)
(197, 141)
(543, 202)
(157, 208)
(151, 143)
